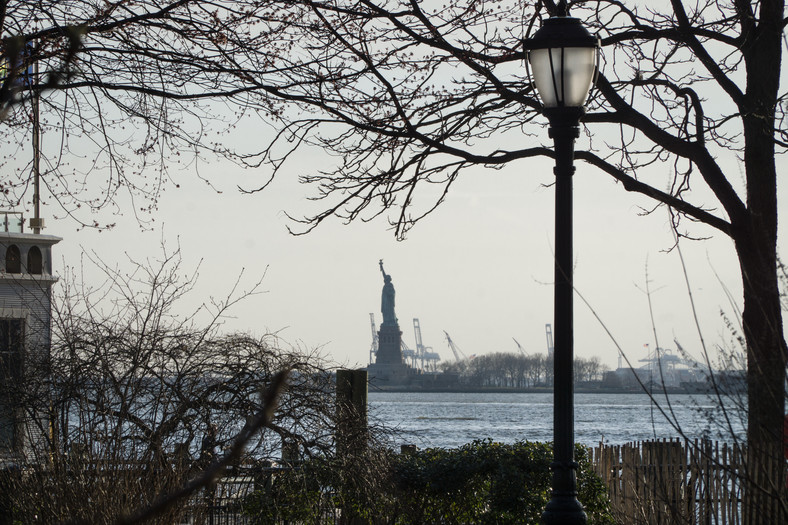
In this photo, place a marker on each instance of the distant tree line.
(510, 370)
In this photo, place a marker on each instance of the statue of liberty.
(387, 299)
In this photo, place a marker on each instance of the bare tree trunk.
(755, 235)
(765, 494)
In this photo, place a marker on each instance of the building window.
(11, 345)
(35, 262)
(13, 259)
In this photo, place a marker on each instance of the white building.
(26, 282)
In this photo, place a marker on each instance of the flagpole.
(36, 223)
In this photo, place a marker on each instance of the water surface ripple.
(452, 419)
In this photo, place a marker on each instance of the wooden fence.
(673, 481)
(668, 482)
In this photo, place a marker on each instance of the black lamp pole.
(562, 55)
(563, 507)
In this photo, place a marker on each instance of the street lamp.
(562, 55)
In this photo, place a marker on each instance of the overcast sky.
(479, 268)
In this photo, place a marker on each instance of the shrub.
(486, 482)
(481, 482)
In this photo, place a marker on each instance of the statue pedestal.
(389, 370)
(389, 345)
(381, 376)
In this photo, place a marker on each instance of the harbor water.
(453, 419)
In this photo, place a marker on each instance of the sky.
(480, 267)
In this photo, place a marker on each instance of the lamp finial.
(562, 9)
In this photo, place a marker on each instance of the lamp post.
(562, 55)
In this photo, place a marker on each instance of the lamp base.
(564, 509)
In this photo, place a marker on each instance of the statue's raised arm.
(387, 298)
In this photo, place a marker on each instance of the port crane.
(686, 358)
(373, 349)
(408, 353)
(454, 348)
(417, 332)
(548, 328)
(520, 347)
(428, 359)
(419, 343)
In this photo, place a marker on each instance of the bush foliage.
(481, 482)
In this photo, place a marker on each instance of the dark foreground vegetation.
(480, 482)
(137, 415)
